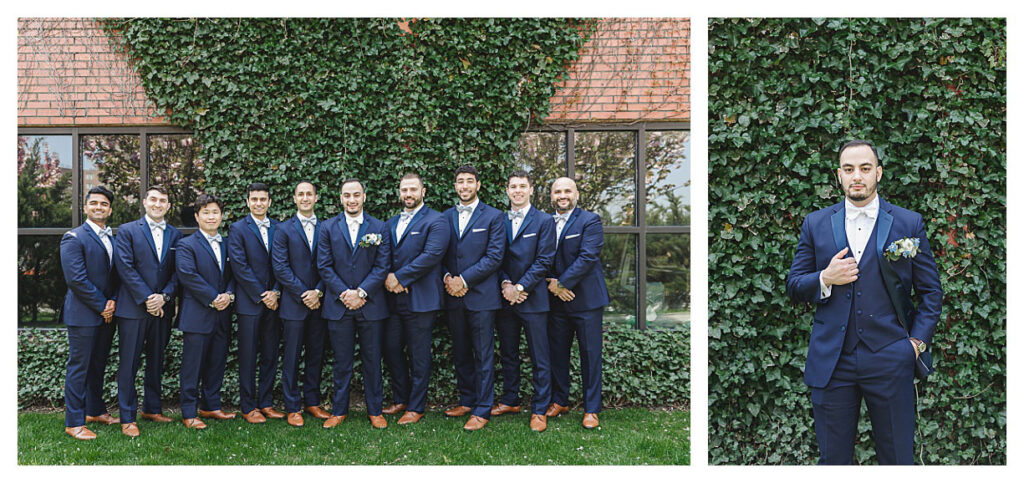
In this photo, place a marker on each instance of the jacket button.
(842, 329)
(859, 293)
(847, 294)
(860, 330)
(859, 311)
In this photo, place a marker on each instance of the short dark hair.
(520, 173)
(414, 176)
(100, 190)
(257, 186)
(205, 199)
(860, 142)
(353, 180)
(467, 168)
(159, 189)
(304, 181)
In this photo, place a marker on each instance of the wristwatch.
(520, 287)
(167, 298)
(232, 297)
(362, 293)
(319, 293)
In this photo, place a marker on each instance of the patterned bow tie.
(161, 225)
(105, 231)
(464, 209)
(405, 216)
(264, 223)
(852, 212)
(512, 215)
(562, 217)
(308, 221)
(216, 238)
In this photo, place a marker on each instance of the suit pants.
(885, 380)
(203, 362)
(508, 324)
(473, 350)
(311, 334)
(410, 377)
(343, 340)
(586, 326)
(151, 334)
(89, 348)
(258, 334)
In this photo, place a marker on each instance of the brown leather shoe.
(216, 414)
(504, 409)
(318, 412)
(80, 433)
(555, 410)
(271, 413)
(155, 417)
(194, 423)
(394, 409)
(333, 421)
(295, 419)
(378, 422)
(458, 411)
(538, 422)
(475, 422)
(590, 421)
(254, 417)
(104, 418)
(410, 417)
(130, 429)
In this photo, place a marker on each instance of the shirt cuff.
(826, 290)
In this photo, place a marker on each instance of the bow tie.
(264, 223)
(161, 225)
(512, 215)
(852, 212)
(308, 221)
(105, 231)
(404, 217)
(464, 209)
(216, 238)
(358, 221)
(562, 217)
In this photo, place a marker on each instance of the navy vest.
(872, 318)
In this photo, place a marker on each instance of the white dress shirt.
(560, 225)
(517, 222)
(158, 237)
(309, 228)
(402, 225)
(102, 233)
(860, 221)
(264, 226)
(464, 216)
(215, 242)
(353, 227)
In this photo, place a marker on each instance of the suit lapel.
(270, 235)
(568, 223)
(256, 229)
(523, 225)
(408, 228)
(884, 224)
(202, 241)
(839, 228)
(92, 234)
(475, 216)
(344, 229)
(149, 236)
(316, 236)
(454, 222)
(359, 235)
(508, 228)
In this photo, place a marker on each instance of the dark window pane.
(618, 260)
(44, 181)
(668, 280)
(606, 174)
(668, 178)
(113, 160)
(174, 163)
(41, 285)
(542, 154)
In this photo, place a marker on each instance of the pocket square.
(528, 235)
(475, 230)
(572, 236)
(414, 233)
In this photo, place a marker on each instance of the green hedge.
(649, 368)
(783, 95)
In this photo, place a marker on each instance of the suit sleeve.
(242, 274)
(927, 286)
(124, 260)
(803, 283)
(282, 269)
(333, 284)
(438, 236)
(72, 260)
(188, 274)
(381, 263)
(590, 253)
(497, 240)
(545, 255)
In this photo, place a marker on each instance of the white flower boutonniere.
(370, 240)
(905, 247)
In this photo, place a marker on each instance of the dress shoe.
(556, 410)
(590, 421)
(458, 411)
(410, 417)
(271, 413)
(503, 409)
(475, 422)
(194, 423)
(378, 422)
(318, 412)
(105, 418)
(538, 422)
(130, 429)
(394, 409)
(216, 414)
(155, 417)
(80, 433)
(254, 417)
(295, 419)
(332, 421)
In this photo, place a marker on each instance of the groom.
(861, 345)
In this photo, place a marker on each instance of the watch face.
(519, 287)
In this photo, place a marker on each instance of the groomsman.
(419, 237)
(86, 255)
(475, 250)
(293, 256)
(259, 329)
(579, 296)
(207, 291)
(531, 247)
(354, 256)
(144, 257)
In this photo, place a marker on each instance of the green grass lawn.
(626, 437)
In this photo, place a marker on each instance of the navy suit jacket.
(202, 280)
(90, 277)
(344, 266)
(250, 264)
(295, 267)
(822, 235)
(416, 258)
(477, 256)
(528, 259)
(140, 273)
(577, 264)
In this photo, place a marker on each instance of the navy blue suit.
(577, 266)
(141, 275)
(416, 262)
(859, 347)
(92, 281)
(296, 272)
(259, 329)
(527, 261)
(205, 329)
(344, 265)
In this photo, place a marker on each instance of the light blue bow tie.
(562, 217)
(105, 231)
(265, 223)
(464, 209)
(308, 221)
(216, 238)
(512, 215)
(405, 216)
(161, 225)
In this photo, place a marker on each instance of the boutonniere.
(904, 247)
(370, 240)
